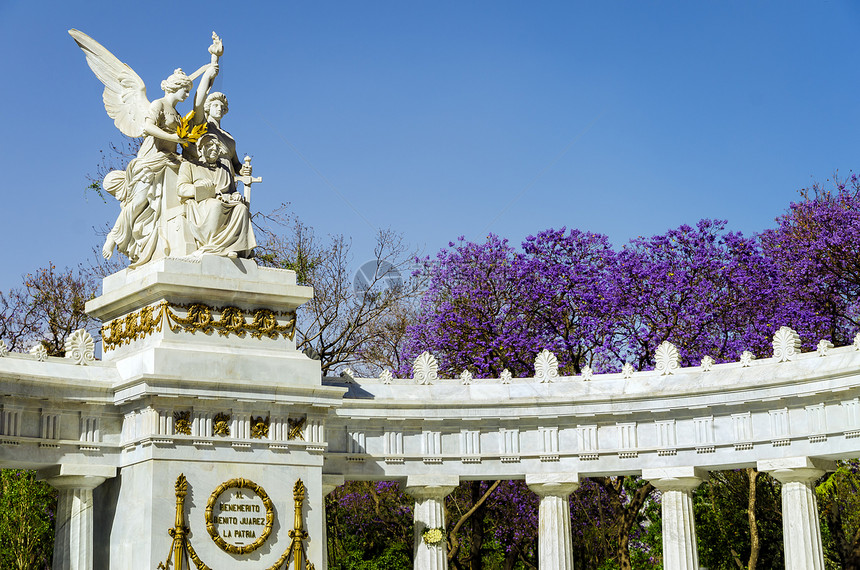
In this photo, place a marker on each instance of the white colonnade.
(152, 410)
(802, 533)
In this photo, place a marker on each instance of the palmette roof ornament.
(466, 377)
(546, 367)
(4, 350)
(80, 347)
(39, 352)
(386, 376)
(823, 347)
(348, 375)
(587, 373)
(425, 369)
(707, 363)
(667, 358)
(506, 376)
(746, 358)
(627, 371)
(857, 341)
(786, 344)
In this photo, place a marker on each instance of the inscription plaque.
(239, 516)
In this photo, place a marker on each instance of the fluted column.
(801, 532)
(555, 546)
(679, 527)
(329, 484)
(429, 494)
(73, 535)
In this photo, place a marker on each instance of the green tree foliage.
(839, 505)
(27, 510)
(739, 521)
(369, 527)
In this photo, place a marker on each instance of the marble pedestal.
(212, 388)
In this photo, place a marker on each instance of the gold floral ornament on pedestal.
(190, 131)
(182, 422)
(259, 427)
(221, 425)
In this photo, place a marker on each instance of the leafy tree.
(47, 308)
(347, 321)
(471, 316)
(839, 504)
(369, 527)
(816, 246)
(569, 276)
(706, 290)
(27, 510)
(731, 536)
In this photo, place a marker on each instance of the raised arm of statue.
(203, 90)
(210, 72)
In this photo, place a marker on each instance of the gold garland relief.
(198, 317)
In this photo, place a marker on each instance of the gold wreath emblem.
(239, 483)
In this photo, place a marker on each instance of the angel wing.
(125, 94)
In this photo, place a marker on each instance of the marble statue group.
(178, 196)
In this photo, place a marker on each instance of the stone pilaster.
(329, 484)
(679, 527)
(73, 536)
(800, 528)
(555, 548)
(429, 493)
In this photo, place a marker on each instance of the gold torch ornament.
(298, 534)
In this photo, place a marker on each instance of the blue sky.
(440, 119)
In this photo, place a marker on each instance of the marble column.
(73, 536)
(555, 546)
(801, 532)
(679, 527)
(329, 484)
(429, 493)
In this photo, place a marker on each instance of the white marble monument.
(202, 438)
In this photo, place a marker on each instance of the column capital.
(422, 487)
(330, 483)
(796, 469)
(675, 478)
(73, 476)
(553, 484)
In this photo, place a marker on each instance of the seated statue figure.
(216, 214)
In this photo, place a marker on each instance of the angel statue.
(148, 226)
